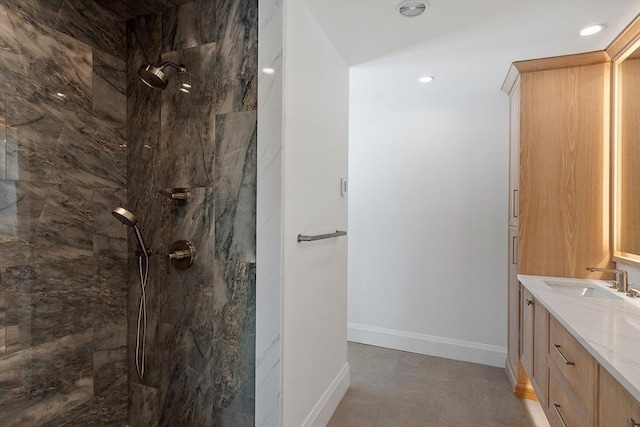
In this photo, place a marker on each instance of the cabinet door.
(513, 308)
(615, 404)
(563, 197)
(527, 316)
(514, 153)
(540, 351)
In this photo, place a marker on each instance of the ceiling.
(363, 30)
(456, 39)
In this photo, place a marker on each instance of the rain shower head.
(155, 77)
(130, 220)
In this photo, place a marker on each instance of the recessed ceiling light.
(60, 94)
(591, 30)
(186, 85)
(426, 79)
(184, 90)
(412, 8)
(268, 70)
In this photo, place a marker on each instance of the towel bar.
(303, 238)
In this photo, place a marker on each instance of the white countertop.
(608, 328)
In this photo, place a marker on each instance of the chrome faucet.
(621, 283)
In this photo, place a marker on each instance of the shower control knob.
(179, 195)
(181, 254)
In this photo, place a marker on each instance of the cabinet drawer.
(574, 363)
(561, 411)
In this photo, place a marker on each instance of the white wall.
(315, 150)
(269, 216)
(428, 219)
(634, 274)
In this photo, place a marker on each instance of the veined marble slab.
(269, 214)
(236, 62)
(109, 409)
(3, 137)
(188, 25)
(109, 87)
(46, 143)
(45, 381)
(86, 21)
(236, 180)
(608, 328)
(61, 63)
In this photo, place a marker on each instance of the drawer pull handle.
(566, 361)
(557, 409)
(529, 302)
(631, 423)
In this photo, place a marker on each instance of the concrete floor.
(391, 388)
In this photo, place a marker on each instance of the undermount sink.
(580, 289)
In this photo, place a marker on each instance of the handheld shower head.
(155, 77)
(130, 220)
(124, 216)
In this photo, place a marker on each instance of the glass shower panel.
(63, 287)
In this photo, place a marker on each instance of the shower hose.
(141, 340)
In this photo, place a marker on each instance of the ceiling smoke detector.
(412, 8)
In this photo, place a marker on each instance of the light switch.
(343, 186)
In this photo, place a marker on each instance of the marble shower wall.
(201, 321)
(63, 295)
(269, 207)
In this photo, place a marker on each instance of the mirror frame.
(621, 48)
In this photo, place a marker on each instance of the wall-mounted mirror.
(626, 230)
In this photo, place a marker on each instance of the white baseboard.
(326, 406)
(467, 351)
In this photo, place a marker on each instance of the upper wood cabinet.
(562, 141)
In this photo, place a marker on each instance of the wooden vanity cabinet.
(615, 405)
(573, 389)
